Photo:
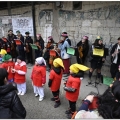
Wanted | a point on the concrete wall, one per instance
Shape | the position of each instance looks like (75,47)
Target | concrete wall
(95,18)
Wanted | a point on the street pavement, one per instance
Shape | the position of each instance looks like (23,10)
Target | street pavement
(45,109)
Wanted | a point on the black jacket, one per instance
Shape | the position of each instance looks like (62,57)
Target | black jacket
(21,47)
(29,41)
(10,104)
(85,49)
(95,57)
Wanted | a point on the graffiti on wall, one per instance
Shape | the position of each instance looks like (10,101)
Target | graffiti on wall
(109,12)
(45,19)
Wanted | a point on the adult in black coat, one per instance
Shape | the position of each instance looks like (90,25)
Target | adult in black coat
(10,104)
(40,44)
(21,48)
(83,48)
(82,51)
(29,54)
(115,59)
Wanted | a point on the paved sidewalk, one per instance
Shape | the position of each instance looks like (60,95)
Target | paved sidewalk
(45,109)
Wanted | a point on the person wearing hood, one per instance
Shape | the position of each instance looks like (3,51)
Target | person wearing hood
(8,64)
(55,80)
(72,88)
(38,77)
(11,106)
(20,70)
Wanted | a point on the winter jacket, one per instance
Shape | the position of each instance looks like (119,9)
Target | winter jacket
(10,104)
(9,66)
(19,77)
(28,41)
(21,47)
(55,78)
(84,51)
(95,57)
(38,75)
(73,82)
(63,47)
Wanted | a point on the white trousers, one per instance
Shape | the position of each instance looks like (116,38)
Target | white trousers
(21,87)
(39,90)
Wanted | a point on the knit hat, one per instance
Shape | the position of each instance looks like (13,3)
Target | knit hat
(99,38)
(27,33)
(6,57)
(87,114)
(20,58)
(85,37)
(38,35)
(50,37)
(17,31)
(64,34)
(3,52)
(75,68)
(40,60)
(58,62)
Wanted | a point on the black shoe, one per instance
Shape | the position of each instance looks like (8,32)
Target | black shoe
(57,105)
(67,112)
(69,116)
(52,99)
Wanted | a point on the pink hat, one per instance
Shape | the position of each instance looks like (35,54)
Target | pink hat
(64,35)
(85,37)
(50,37)
(38,35)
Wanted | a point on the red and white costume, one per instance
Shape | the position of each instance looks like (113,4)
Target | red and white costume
(19,77)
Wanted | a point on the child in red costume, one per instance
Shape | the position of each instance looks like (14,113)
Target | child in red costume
(55,80)
(38,77)
(72,87)
(8,64)
(20,70)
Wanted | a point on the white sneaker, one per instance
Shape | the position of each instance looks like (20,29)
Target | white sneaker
(22,93)
(36,95)
(40,99)
(19,93)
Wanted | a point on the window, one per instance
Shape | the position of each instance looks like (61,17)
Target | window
(77,5)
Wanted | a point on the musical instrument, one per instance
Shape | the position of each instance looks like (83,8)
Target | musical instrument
(27,48)
(80,49)
(61,41)
(38,45)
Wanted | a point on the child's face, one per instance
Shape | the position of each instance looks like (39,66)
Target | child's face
(71,72)
(10,59)
(36,63)
(19,61)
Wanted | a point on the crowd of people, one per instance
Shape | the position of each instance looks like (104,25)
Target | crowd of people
(56,60)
